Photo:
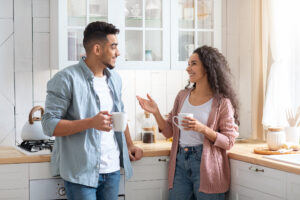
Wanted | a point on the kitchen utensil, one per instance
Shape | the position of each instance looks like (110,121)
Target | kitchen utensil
(32,130)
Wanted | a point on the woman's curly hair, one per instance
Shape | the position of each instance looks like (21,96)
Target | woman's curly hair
(218,75)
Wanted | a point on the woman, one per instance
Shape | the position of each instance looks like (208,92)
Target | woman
(199,166)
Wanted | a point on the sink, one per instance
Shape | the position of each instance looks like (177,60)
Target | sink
(287,158)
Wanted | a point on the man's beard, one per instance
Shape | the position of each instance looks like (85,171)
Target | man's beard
(108,65)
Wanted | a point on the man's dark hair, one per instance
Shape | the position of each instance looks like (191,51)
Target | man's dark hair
(97,31)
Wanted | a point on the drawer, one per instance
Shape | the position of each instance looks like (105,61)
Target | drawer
(158,166)
(263,179)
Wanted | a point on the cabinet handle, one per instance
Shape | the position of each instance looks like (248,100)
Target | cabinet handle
(256,169)
(162,160)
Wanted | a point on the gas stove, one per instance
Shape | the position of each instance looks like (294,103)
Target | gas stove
(36,146)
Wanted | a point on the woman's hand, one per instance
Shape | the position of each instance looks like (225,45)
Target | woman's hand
(148,105)
(191,124)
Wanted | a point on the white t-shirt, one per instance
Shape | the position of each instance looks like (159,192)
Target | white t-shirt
(110,153)
(201,113)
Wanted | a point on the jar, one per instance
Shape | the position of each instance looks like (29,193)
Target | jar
(275,138)
(148,131)
(148,135)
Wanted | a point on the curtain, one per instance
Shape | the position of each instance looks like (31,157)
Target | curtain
(280,59)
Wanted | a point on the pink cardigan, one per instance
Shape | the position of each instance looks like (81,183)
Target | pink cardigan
(214,167)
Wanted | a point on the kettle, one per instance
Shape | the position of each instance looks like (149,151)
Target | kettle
(32,130)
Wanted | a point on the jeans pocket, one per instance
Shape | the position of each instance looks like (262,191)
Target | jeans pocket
(198,154)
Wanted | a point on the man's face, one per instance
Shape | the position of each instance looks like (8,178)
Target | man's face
(110,51)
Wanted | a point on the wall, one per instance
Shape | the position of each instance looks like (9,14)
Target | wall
(24,66)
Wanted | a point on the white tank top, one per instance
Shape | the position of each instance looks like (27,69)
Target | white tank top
(201,113)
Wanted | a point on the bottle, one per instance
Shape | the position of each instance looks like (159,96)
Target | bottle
(147,129)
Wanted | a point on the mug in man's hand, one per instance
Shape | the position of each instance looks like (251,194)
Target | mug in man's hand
(180,117)
(119,121)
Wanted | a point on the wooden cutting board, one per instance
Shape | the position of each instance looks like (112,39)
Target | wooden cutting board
(266,151)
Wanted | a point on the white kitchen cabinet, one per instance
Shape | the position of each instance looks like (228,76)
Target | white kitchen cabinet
(249,181)
(154,34)
(14,181)
(238,192)
(293,187)
(149,180)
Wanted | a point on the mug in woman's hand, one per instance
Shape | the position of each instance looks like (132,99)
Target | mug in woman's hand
(180,117)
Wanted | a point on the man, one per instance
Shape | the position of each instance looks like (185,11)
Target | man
(87,153)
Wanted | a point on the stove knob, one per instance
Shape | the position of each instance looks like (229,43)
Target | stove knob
(62,191)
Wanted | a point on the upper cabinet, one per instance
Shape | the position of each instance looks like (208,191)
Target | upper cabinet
(154,34)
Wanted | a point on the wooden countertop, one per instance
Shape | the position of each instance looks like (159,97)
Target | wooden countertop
(242,151)
(10,155)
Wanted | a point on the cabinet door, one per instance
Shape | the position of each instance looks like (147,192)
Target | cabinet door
(293,186)
(144,39)
(144,31)
(238,192)
(14,182)
(194,23)
(258,178)
(146,190)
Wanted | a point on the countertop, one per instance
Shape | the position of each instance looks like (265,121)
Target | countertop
(10,155)
(242,151)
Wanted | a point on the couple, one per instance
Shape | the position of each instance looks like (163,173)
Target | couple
(88,154)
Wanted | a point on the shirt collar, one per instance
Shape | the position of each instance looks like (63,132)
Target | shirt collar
(88,73)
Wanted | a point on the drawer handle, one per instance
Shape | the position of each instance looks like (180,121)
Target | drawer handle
(162,160)
(256,169)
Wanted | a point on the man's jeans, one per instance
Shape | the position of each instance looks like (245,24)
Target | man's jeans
(187,176)
(108,188)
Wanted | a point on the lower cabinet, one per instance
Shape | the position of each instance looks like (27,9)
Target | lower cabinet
(14,181)
(150,179)
(251,182)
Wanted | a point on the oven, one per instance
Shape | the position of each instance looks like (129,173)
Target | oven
(53,188)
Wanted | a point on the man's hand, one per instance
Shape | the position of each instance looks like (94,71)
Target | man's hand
(135,153)
(102,121)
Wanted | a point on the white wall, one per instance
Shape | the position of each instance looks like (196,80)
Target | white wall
(24,66)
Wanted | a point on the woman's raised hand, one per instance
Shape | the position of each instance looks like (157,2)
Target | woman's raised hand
(148,105)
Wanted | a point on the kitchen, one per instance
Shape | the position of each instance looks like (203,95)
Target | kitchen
(27,54)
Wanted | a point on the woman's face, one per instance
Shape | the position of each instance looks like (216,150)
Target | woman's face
(195,69)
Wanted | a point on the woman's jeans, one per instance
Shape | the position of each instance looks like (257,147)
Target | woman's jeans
(108,188)
(187,176)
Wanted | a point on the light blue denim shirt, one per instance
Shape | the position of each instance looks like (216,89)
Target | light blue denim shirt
(71,96)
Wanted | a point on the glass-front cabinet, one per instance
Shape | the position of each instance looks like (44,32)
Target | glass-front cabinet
(154,34)
(194,23)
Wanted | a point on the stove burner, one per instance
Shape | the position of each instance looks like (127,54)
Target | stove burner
(36,145)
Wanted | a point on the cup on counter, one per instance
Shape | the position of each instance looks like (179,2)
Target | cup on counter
(292,135)
(119,121)
(180,117)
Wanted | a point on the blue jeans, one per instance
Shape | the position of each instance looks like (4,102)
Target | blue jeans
(187,176)
(108,188)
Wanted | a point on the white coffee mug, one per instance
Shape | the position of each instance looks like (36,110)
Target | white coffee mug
(292,135)
(180,117)
(119,121)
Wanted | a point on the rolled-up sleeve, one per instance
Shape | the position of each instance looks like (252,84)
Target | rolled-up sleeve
(228,130)
(57,102)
